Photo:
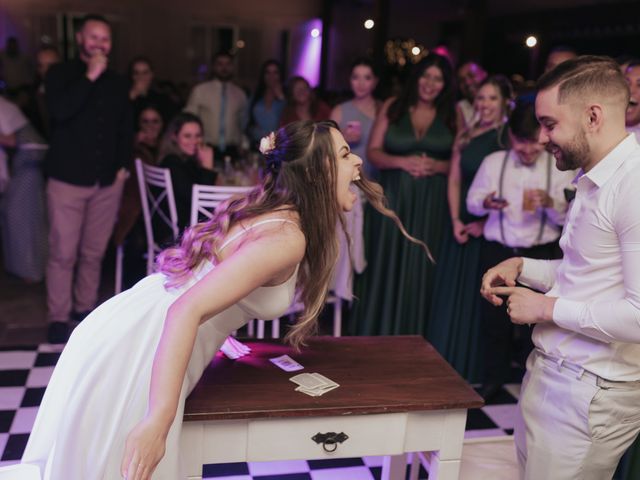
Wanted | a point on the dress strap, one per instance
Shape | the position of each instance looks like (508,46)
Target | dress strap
(245,230)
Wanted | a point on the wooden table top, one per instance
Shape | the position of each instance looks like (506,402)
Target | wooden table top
(376,375)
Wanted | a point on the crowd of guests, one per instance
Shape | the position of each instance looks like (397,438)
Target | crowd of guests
(456,152)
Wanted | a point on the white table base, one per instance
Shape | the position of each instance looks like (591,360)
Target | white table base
(439,432)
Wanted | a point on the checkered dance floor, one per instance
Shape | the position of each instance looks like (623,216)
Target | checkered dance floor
(25,372)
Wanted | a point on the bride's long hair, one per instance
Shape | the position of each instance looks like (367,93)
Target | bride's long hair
(301,176)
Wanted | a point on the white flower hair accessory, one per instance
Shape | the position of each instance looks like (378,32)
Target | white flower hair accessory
(267,143)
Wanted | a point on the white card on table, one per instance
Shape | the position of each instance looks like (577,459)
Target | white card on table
(286,363)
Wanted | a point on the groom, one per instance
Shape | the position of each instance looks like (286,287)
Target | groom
(580,403)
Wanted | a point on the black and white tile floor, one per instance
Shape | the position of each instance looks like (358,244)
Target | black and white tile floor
(25,372)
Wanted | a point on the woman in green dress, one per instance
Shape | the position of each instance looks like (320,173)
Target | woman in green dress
(410,143)
(454,329)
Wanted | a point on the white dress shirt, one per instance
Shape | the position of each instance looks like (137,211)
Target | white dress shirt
(596,319)
(521,228)
(205,102)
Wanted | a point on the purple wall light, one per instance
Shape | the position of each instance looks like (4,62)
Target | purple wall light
(305,51)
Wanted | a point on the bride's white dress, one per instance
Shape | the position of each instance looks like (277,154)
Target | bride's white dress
(100,387)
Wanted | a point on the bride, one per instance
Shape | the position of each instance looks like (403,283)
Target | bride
(114,405)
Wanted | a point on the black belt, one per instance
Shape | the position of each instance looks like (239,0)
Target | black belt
(523,251)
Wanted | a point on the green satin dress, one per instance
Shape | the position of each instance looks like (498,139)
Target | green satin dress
(394,292)
(454,329)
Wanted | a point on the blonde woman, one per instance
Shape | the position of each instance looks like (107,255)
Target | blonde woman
(114,404)
(455,331)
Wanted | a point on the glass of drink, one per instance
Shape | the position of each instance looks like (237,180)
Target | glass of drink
(528,196)
(533,197)
(354,131)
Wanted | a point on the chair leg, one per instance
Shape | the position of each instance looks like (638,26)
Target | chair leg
(275,328)
(337,318)
(119,260)
(251,328)
(260,329)
(150,255)
(414,461)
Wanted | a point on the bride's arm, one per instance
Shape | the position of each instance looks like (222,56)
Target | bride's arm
(255,263)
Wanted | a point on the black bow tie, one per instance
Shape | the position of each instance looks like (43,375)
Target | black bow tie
(569,194)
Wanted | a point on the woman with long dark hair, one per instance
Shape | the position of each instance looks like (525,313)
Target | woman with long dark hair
(114,404)
(355,117)
(411,145)
(189,159)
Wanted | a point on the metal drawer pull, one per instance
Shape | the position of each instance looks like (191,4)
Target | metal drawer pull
(330,440)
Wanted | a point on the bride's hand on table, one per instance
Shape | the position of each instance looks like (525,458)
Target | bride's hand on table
(233,349)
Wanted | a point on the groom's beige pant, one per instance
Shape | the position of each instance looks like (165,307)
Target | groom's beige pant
(572,424)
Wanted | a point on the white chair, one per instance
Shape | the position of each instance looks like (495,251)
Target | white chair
(119,261)
(20,472)
(158,201)
(337,314)
(205,199)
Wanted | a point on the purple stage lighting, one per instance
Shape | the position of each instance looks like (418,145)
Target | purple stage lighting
(306,45)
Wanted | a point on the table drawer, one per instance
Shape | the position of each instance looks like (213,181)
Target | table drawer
(291,439)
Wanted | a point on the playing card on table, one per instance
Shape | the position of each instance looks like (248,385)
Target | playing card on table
(313,384)
(286,363)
